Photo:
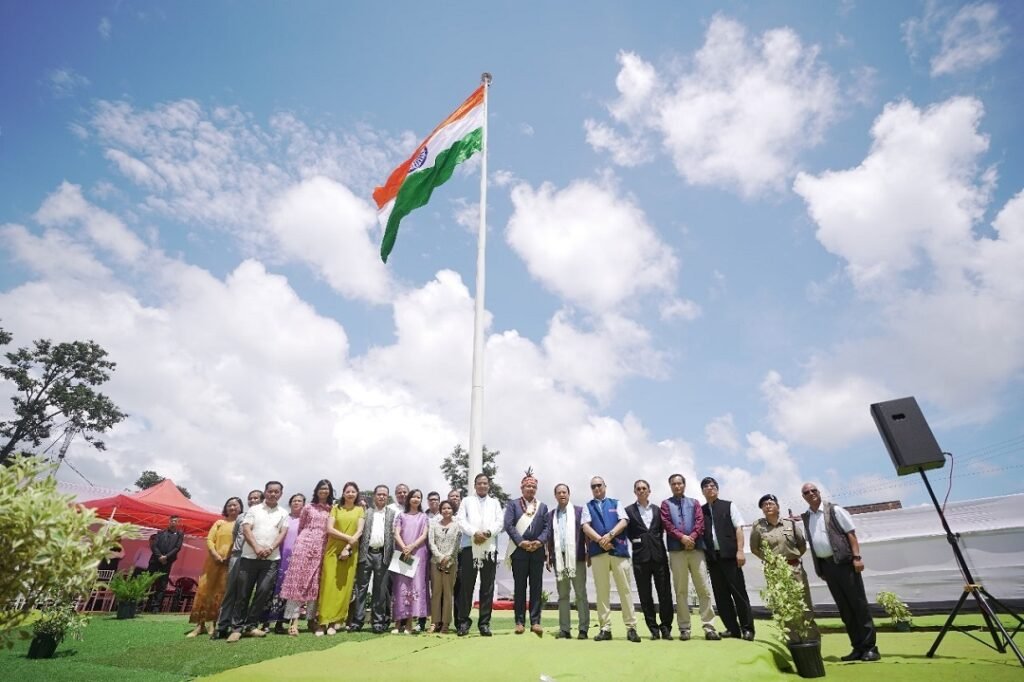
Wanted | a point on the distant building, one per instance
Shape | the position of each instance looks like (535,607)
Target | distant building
(873,507)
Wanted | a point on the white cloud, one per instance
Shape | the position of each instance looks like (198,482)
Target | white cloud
(826,411)
(320,222)
(588,244)
(773,470)
(972,38)
(949,304)
(721,433)
(737,118)
(66,207)
(467,214)
(65,81)
(53,254)
(104,28)
(964,41)
(526,129)
(680,309)
(916,194)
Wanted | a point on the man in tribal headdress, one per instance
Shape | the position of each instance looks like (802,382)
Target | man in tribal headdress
(526,522)
(480,521)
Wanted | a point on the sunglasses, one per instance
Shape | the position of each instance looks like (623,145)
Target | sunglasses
(595,486)
(809,491)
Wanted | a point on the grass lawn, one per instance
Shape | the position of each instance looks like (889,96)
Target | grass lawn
(154,648)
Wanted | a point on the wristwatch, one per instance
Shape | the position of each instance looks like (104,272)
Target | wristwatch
(856,557)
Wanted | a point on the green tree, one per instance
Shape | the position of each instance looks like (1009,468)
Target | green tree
(148,479)
(50,547)
(455,468)
(55,388)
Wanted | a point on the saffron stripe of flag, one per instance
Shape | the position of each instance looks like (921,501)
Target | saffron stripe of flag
(410,185)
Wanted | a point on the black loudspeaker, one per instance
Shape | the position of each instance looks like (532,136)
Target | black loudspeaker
(907,436)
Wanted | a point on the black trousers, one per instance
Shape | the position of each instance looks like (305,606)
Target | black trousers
(457,589)
(847,588)
(371,566)
(227,604)
(657,572)
(730,593)
(258,573)
(467,577)
(527,567)
(160,585)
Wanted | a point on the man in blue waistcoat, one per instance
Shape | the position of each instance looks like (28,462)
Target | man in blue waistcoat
(683,520)
(604,522)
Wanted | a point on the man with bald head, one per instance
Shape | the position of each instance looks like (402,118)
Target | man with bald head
(835,551)
(604,523)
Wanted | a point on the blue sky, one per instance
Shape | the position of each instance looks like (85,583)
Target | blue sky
(717,233)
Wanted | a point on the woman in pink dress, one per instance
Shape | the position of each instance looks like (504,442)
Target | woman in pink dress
(411,594)
(301,584)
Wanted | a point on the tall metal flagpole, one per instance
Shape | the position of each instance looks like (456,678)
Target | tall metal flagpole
(476,412)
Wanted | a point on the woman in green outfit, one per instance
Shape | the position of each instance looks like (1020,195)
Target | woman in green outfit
(341,559)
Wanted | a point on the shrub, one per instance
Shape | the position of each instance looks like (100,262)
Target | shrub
(894,607)
(60,620)
(783,594)
(132,589)
(49,548)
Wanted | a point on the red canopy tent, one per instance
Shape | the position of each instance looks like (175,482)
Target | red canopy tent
(153,508)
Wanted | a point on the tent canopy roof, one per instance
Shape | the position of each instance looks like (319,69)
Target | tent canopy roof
(153,508)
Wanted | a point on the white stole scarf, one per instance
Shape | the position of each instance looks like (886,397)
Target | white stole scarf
(524,522)
(481,513)
(565,564)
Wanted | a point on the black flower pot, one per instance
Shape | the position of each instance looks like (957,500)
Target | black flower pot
(126,609)
(902,626)
(807,658)
(42,646)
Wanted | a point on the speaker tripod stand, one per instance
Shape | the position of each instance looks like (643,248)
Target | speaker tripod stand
(1001,639)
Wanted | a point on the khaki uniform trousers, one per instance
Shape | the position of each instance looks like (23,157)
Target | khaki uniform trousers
(606,568)
(687,563)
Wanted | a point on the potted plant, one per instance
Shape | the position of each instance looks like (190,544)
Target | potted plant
(57,621)
(896,609)
(783,594)
(129,591)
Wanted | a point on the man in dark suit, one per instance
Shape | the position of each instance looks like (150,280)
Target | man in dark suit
(723,546)
(375,549)
(526,522)
(165,546)
(650,560)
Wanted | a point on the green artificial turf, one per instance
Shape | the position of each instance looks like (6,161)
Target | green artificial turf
(154,648)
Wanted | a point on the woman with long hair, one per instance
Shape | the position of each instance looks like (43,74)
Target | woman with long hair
(213,581)
(301,585)
(341,560)
(411,594)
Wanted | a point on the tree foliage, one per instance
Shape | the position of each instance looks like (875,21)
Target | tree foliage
(455,468)
(148,479)
(49,548)
(783,595)
(55,388)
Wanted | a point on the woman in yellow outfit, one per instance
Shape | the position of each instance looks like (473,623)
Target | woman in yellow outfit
(341,560)
(215,572)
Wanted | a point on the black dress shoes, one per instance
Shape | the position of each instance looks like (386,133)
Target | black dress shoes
(563,634)
(666,632)
(684,636)
(462,631)
(485,631)
(582,634)
(655,634)
(632,636)
(854,655)
(603,636)
(748,635)
(712,636)
(871,655)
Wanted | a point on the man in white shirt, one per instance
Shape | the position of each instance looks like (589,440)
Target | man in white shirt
(836,554)
(434,505)
(480,520)
(375,548)
(264,527)
(401,492)
(723,547)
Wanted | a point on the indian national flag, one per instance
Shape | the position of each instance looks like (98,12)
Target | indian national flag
(410,185)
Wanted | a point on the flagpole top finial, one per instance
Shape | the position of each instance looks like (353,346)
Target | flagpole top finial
(485,78)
